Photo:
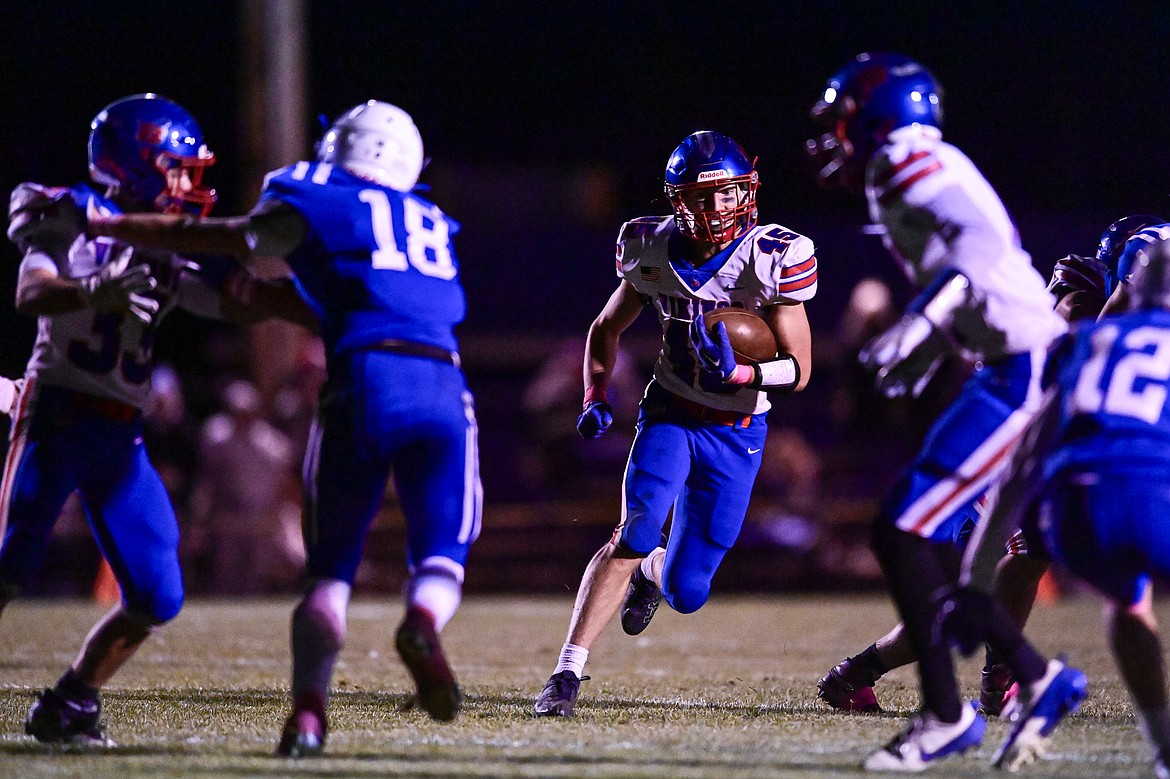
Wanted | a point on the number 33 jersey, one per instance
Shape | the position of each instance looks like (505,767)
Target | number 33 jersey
(376,264)
(103,354)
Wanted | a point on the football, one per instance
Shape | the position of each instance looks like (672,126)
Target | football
(751,338)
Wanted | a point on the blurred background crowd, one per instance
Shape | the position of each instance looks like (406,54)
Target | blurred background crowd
(547,127)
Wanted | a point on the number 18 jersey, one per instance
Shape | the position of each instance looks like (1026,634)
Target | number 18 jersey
(376,264)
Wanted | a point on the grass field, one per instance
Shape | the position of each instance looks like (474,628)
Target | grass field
(726,692)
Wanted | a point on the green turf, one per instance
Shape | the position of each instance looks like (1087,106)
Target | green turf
(726,692)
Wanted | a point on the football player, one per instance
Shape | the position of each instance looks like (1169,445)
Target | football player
(950,233)
(702,421)
(78,421)
(374,260)
(1081,287)
(1097,458)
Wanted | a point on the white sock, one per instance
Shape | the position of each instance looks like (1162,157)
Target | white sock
(650,561)
(1155,726)
(437,586)
(573,659)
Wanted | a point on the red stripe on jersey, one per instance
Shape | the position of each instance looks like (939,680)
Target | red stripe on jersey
(909,181)
(901,166)
(963,483)
(796,286)
(792,270)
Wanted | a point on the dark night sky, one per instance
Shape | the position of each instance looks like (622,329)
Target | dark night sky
(1061,104)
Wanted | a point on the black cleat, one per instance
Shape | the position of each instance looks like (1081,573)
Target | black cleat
(57,720)
(846,688)
(642,600)
(559,696)
(418,646)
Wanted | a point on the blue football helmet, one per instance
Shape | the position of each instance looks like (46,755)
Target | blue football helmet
(873,95)
(1113,240)
(704,163)
(150,151)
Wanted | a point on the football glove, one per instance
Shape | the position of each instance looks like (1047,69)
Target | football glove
(905,357)
(715,352)
(120,288)
(595,419)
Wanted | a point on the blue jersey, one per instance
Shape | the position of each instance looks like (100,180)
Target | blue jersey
(376,264)
(1114,376)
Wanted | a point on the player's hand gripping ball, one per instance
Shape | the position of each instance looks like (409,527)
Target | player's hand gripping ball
(727,337)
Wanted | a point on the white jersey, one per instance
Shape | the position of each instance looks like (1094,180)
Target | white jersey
(107,355)
(768,265)
(940,213)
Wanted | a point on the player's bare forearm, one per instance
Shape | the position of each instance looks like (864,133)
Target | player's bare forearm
(789,323)
(248,300)
(601,345)
(180,233)
(42,294)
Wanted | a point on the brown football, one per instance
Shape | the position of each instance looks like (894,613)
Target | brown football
(751,338)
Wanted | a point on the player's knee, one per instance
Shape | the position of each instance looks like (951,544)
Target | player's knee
(686,596)
(623,550)
(158,608)
(886,540)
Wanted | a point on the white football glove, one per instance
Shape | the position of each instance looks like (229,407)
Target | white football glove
(120,288)
(905,357)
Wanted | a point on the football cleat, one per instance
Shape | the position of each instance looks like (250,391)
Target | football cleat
(1036,712)
(994,689)
(418,646)
(559,696)
(58,720)
(303,734)
(847,688)
(642,599)
(926,740)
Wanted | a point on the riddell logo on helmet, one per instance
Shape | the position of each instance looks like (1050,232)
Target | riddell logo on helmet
(712,174)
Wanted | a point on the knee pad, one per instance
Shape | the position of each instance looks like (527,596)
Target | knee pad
(687,596)
(160,608)
(623,551)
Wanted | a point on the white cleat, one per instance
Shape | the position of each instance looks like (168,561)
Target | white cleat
(927,739)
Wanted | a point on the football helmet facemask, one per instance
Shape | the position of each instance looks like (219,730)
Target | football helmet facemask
(151,152)
(704,163)
(376,141)
(870,97)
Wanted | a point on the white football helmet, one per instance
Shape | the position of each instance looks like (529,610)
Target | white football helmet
(376,141)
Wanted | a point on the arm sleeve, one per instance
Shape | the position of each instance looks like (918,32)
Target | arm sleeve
(275,229)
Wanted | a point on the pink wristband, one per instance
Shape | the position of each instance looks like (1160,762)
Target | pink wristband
(593,393)
(743,374)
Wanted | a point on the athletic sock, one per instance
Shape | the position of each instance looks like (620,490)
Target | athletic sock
(573,659)
(869,662)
